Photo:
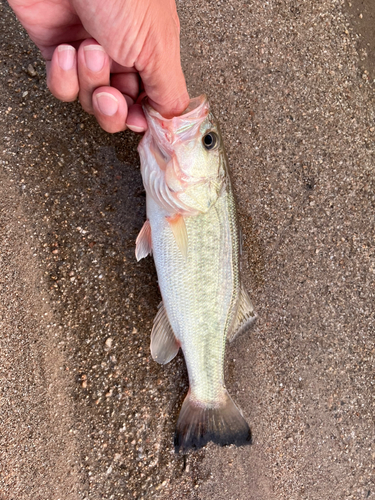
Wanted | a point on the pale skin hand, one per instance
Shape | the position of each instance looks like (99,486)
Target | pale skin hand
(104,52)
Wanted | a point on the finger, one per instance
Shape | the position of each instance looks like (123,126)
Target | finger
(167,91)
(160,68)
(62,76)
(93,71)
(136,120)
(126,83)
(140,98)
(110,109)
(119,68)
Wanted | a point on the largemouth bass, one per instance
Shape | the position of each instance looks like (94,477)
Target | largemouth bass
(192,232)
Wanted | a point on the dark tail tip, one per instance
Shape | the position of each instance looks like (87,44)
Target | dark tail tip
(198,424)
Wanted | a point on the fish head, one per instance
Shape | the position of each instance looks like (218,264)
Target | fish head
(186,156)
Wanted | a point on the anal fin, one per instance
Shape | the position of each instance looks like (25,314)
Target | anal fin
(245,316)
(143,243)
(179,231)
(164,345)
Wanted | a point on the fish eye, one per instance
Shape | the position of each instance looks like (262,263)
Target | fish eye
(210,140)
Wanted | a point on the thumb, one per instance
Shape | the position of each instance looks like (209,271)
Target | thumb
(159,66)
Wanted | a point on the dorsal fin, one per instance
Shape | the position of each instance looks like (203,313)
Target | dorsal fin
(179,231)
(164,345)
(143,243)
(245,315)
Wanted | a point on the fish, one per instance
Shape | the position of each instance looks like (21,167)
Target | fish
(193,234)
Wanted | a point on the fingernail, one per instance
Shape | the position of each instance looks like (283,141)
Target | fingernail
(94,57)
(66,57)
(134,128)
(107,103)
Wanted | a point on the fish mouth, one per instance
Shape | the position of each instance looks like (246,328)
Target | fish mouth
(197,108)
(194,104)
(168,132)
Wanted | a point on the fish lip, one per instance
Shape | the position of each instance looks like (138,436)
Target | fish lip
(193,110)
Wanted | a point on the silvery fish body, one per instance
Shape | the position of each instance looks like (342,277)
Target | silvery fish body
(192,232)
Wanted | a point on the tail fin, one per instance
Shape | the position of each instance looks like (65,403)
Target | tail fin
(198,424)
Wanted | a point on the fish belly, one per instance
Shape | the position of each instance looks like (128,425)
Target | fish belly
(200,292)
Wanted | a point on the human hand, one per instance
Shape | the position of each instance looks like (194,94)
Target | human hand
(110,54)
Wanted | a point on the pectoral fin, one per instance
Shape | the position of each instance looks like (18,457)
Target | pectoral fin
(179,231)
(164,345)
(143,243)
(245,315)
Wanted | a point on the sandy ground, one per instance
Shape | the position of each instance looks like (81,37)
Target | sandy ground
(85,412)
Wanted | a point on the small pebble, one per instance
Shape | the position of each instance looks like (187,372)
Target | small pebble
(31,71)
